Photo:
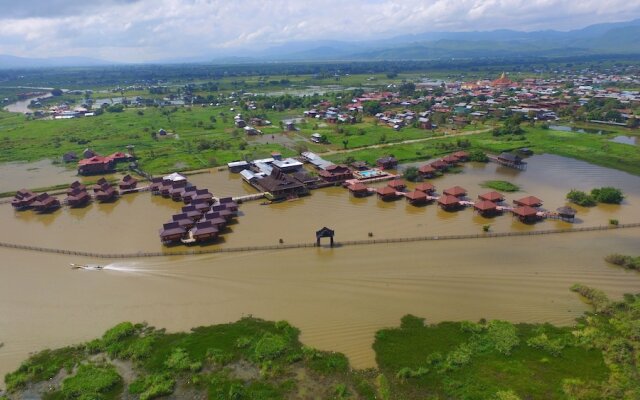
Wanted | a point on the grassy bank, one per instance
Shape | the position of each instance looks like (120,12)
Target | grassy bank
(256,359)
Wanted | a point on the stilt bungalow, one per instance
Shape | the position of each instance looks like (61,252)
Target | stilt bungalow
(76,186)
(427,171)
(387,193)
(389,162)
(176,190)
(78,198)
(23,199)
(201,205)
(192,212)
(229,203)
(189,194)
(100,185)
(455,191)
(216,219)
(183,220)
(204,231)
(416,197)
(358,190)
(203,194)
(526,214)
(449,202)
(106,193)
(172,232)
(397,184)
(359,165)
(529,201)
(486,208)
(566,213)
(493,196)
(439,165)
(280,185)
(426,187)
(225,213)
(335,173)
(45,203)
(128,182)
(451,160)
(462,156)
(156,183)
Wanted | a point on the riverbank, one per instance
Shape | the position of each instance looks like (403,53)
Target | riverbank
(253,358)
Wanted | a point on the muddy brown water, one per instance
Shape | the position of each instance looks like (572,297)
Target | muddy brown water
(337,297)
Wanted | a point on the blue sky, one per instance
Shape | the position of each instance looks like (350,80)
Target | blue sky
(147,30)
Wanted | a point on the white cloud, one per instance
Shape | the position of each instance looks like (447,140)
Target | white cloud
(143,30)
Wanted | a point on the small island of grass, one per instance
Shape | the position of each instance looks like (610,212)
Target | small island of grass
(502,186)
(256,359)
(621,260)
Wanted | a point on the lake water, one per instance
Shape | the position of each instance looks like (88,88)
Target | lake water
(22,106)
(44,173)
(338,297)
(565,128)
(630,140)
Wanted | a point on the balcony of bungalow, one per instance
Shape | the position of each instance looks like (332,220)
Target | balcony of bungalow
(455,191)
(45,203)
(493,196)
(526,214)
(387,193)
(416,197)
(397,184)
(192,212)
(486,208)
(427,171)
(426,187)
(229,203)
(529,201)
(204,231)
(78,198)
(358,190)
(183,220)
(215,218)
(172,232)
(449,203)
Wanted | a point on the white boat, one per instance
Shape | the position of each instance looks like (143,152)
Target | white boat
(91,267)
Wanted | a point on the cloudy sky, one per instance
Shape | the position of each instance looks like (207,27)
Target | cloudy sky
(147,30)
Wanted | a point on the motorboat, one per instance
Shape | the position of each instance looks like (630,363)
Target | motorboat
(90,267)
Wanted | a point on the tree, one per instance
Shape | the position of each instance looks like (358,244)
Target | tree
(56,92)
(411,174)
(371,107)
(345,143)
(609,195)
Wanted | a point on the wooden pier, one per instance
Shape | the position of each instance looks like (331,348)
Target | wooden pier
(249,197)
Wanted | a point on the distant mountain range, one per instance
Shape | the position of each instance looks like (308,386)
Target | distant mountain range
(601,39)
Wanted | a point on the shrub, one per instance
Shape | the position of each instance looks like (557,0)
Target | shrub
(503,336)
(542,342)
(581,198)
(609,195)
(118,332)
(270,346)
(613,222)
(502,186)
(411,174)
(458,357)
(597,298)
(478,156)
(506,395)
(624,261)
(152,386)
(90,382)
(179,361)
